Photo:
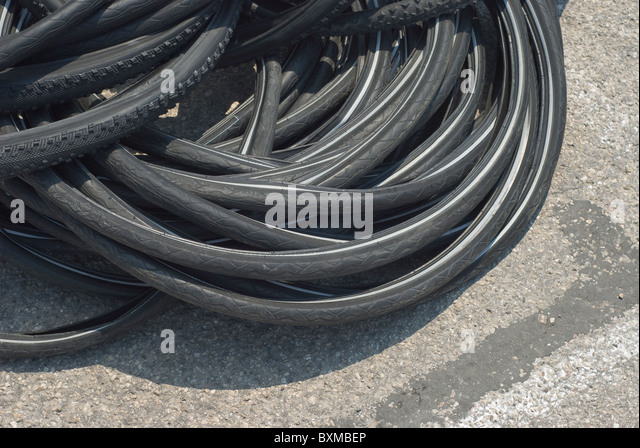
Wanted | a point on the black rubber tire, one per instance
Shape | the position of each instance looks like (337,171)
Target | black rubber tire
(458,176)
(81,134)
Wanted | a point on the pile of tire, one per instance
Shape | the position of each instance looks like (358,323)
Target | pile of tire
(443,118)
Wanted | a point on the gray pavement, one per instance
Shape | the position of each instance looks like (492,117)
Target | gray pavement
(547,338)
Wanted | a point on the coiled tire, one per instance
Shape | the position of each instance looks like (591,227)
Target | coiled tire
(456,176)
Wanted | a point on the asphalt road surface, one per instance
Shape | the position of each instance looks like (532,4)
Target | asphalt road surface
(549,337)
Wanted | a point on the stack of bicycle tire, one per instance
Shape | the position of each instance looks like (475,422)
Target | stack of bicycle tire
(443,118)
